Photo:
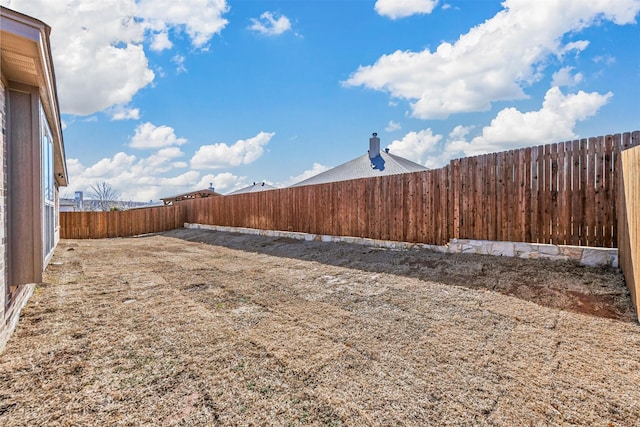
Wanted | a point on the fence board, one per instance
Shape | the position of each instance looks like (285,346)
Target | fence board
(599,191)
(608,208)
(562,208)
(512,196)
(518,196)
(576,207)
(491,197)
(526,210)
(428,228)
(475,167)
(590,217)
(454,169)
(534,226)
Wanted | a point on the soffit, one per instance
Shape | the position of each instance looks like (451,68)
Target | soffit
(20,59)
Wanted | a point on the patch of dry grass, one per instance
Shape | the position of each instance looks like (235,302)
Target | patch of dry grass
(244,330)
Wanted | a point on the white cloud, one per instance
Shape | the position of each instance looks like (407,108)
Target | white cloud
(148,135)
(604,59)
(576,46)
(161,42)
(512,129)
(221,155)
(395,9)
(121,112)
(147,178)
(200,19)
(415,146)
(179,60)
(270,24)
(315,170)
(92,39)
(392,126)
(460,132)
(563,77)
(222,182)
(493,61)
(107,166)
(74,167)
(169,153)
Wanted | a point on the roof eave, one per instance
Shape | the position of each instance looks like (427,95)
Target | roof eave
(37,33)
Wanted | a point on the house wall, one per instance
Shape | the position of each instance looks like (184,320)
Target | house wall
(25,214)
(22,226)
(29,115)
(3,205)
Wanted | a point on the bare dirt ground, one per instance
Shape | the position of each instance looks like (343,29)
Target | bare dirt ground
(206,328)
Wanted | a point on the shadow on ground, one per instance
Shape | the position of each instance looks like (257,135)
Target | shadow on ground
(567,285)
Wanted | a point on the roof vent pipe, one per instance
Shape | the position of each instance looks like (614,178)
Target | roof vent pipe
(374,146)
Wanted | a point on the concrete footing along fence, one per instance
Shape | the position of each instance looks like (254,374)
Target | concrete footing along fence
(581,254)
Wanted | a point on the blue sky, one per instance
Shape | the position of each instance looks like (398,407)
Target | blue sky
(161,97)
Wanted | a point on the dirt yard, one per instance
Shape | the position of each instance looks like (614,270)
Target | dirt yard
(208,328)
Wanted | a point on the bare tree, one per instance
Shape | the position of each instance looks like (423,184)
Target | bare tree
(105,195)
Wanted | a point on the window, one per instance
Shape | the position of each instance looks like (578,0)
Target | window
(48,188)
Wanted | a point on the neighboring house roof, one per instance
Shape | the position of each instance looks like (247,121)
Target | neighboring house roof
(376,163)
(253,188)
(198,194)
(67,205)
(25,57)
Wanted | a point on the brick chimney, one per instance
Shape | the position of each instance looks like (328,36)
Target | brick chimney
(374,146)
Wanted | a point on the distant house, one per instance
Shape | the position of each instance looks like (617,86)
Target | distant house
(253,188)
(198,194)
(88,205)
(32,159)
(68,205)
(374,163)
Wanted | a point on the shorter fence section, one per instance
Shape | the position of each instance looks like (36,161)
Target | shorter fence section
(100,225)
(629,221)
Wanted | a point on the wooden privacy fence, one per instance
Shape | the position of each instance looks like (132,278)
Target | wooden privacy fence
(99,225)
(629,221)
(562,193)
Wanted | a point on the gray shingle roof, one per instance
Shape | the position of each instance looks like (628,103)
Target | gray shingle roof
(255,187)
(364,167)
(207,192)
